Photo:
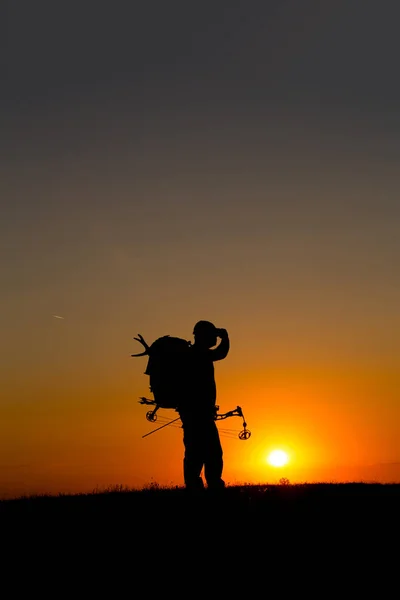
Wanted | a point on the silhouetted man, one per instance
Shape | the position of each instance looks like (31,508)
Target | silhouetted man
(200,433)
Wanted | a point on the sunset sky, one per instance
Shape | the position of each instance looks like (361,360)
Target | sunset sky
(165,162)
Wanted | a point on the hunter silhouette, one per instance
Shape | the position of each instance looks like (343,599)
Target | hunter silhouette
(202,445)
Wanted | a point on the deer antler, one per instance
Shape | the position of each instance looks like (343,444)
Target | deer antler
(144,344)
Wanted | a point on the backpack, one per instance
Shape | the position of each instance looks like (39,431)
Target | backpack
(167,368)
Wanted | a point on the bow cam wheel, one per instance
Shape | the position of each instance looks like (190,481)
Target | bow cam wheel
(151,416)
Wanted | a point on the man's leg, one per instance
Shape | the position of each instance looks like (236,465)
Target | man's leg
(193,457)
(213,462)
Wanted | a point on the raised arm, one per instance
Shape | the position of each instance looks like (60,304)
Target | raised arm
(222,349)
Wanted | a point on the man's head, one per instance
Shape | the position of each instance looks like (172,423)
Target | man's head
(205,334)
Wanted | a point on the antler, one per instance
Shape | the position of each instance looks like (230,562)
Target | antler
(144,344)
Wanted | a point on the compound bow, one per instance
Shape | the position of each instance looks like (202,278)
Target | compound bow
(151,416)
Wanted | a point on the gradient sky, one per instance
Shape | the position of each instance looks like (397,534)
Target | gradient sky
(165,162)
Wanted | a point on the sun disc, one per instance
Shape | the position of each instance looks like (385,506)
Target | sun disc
(278,458)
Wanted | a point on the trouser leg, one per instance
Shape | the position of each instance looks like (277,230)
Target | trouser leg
(213,458)
(193,458)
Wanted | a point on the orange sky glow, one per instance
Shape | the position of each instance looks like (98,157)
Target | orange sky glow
(230,165)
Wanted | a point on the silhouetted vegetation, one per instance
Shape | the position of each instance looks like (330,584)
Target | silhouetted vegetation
(167,530)
(266,504)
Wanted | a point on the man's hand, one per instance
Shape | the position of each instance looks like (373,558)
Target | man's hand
(222,333)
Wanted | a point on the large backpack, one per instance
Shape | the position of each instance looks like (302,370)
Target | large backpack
(167,368)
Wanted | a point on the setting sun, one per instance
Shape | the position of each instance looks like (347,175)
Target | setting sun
(277,458)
